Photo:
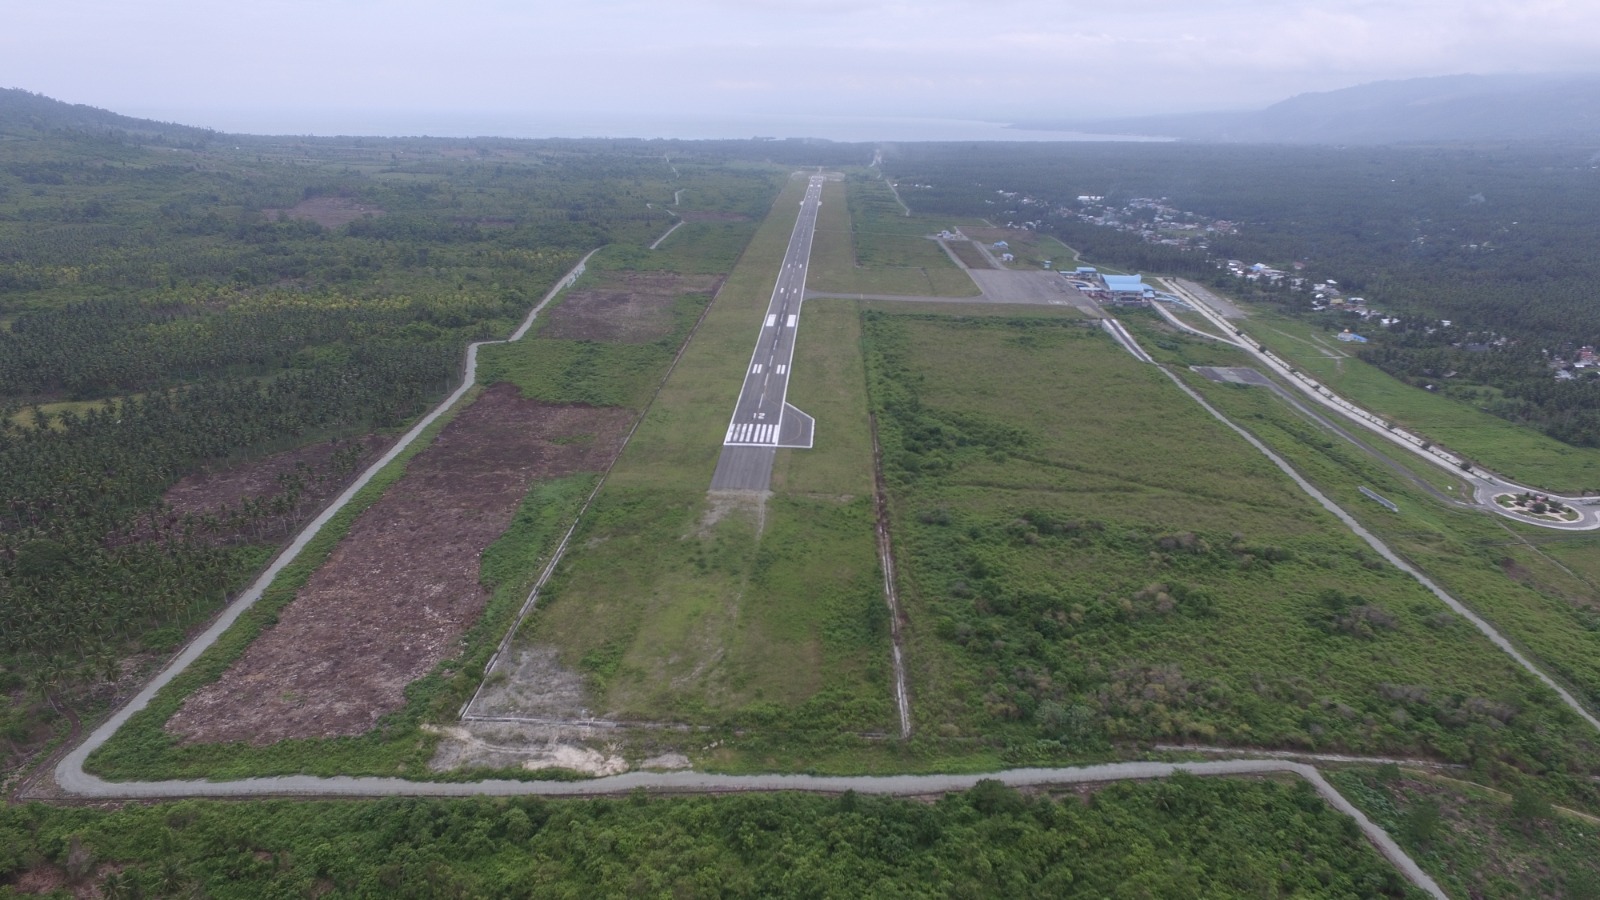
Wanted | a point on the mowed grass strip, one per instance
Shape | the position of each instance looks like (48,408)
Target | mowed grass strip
(1088,558)
(677,606)
(864,245)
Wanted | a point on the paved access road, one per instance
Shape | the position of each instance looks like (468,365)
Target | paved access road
(762,419)
(77,782)
(1485,485)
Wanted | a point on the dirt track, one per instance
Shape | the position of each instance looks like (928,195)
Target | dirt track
(402,587)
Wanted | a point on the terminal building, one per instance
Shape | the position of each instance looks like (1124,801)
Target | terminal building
(1129,289)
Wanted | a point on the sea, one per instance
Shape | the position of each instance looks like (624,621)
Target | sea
(394,123)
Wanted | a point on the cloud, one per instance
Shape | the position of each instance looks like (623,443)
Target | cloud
(942,57)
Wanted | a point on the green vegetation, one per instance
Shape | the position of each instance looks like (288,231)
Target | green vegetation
(865,245)
(142,749)
(1183,837)
(597,373)
(1503,570)
(168,312)
(1480,251)
(676,606)
(1088,559)
(556,370)
(1090,566)
(1512,450)
(1478,842)
(171,313)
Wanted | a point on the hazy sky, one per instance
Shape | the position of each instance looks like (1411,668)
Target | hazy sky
(272,63)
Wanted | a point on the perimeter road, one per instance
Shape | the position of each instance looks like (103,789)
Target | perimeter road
(69,771)
(1485,485)
(704,783)
(1488,631)
(762,420)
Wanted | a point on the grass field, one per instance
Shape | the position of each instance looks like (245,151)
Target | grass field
(1537,587)
(680,607)
(1507,572)
(1512,450)
(1087,557)
(865,245)
(1031,249)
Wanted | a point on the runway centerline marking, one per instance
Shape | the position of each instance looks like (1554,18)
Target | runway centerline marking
(758,414)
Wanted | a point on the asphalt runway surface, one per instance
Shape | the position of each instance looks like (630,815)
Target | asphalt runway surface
(762,419)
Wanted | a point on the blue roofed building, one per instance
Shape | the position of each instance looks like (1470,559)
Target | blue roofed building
(1128,288)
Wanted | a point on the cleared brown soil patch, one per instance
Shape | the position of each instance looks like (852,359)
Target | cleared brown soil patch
(630,307)
(329,212)
(322,470)
(398,592)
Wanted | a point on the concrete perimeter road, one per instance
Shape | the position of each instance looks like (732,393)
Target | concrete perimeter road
(1485,485)
(701,783)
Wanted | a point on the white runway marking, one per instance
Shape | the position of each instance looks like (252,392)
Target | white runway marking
(792,320)
(751,433)
(771,321)
(782,369)
(755,369)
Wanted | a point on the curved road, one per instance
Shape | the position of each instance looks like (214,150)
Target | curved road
(69,771)
(1485,484)
(1121,335)
(83,784)
(71,777)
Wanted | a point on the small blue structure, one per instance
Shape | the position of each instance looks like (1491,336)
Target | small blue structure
(1348,336)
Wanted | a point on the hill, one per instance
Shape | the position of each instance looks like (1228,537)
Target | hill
(1446,108)
(25,114)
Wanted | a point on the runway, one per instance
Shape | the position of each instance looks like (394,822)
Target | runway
(762,419)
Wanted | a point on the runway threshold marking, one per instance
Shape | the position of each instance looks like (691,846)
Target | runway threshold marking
(779,330)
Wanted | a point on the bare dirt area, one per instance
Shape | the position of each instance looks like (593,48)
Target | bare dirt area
(629,307)
(401,588)
(591,748)
(317,472)
(592,751)
(530,681)
(329,212)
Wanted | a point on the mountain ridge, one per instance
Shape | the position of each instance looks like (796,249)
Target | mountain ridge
(24,113)
(1414,110)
